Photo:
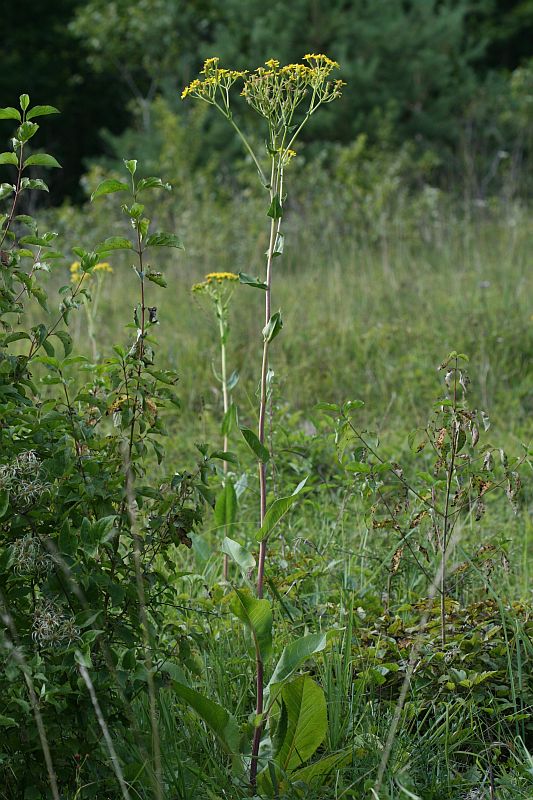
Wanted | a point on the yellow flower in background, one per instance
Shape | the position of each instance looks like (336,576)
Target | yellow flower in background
(215,279)
(103,266)
(76,272)
(221,276)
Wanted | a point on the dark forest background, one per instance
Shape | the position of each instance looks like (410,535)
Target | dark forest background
(445,76)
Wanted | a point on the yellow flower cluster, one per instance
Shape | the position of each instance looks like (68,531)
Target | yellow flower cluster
(221,276)
(76,271)
(214,279)
(215,78)
(276,92)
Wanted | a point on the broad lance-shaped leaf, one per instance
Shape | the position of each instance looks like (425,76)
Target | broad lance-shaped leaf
(109,186)
(9,158)
(277,511)
(152,183)
(114,243)
(255,445)
(273,327)
(163,240)
(293,655)
(42,160)
(256,615)
(242,557)
(41,111)
(315,774)
(230,420)
(222,723)
(303,723)
(249,280)
(10,113)
(226,506)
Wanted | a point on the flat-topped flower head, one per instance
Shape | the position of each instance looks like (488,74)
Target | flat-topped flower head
(215,280)
(219,277)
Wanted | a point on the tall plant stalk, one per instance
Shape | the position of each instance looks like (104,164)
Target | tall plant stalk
(285,97)
(275,227)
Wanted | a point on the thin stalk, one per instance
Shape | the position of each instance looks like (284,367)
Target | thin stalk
(16,195)
(445,531)
(275,188)
(225,402)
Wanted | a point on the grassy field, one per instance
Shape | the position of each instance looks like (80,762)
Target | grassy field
(372,321)
(418,668)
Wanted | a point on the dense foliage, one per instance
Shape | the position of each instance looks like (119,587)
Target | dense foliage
(213,585)
(430,72)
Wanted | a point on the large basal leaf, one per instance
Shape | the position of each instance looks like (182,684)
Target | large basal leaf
(277,511)
(293,655)
(314,775)
(256,615)
(226,506)
(242,557)
(222,723)
(303,723)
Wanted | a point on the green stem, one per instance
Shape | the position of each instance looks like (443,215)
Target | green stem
(275,188)
(225,402)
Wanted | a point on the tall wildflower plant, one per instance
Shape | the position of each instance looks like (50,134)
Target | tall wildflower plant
(286,97)
(218,288)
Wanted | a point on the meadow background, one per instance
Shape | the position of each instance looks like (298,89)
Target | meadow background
(408,235)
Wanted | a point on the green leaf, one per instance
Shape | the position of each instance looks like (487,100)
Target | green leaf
(164,240)
(109,186)
(328,408)
(294,654)
(114,243)
(222,723)
(66,341)
(248,280)
(9,158)
(7,722)
(157,278)
(224,455)
(10,113)
(152,183)
(24,101)
(315,774)
(275,210)
(26,131)
(256,615)
(42,160)
(242,557)
(34,183)
(303,723)
(230,420)
(274,326)
(255,445)
(277,511)
(5,190)
(4,502)
(226,506)
(131,165)
(41,111)
(279,245)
